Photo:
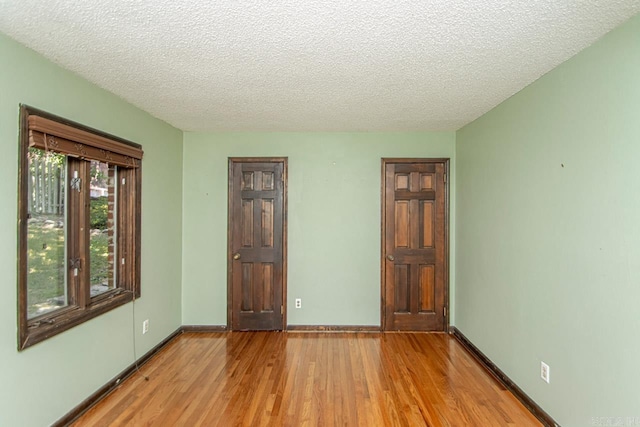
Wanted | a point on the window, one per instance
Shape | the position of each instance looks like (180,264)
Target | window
(79,224)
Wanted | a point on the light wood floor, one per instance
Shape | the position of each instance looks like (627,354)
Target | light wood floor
(297,379)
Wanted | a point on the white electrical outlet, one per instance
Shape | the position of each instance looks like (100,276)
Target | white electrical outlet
(545,372)
(298,302)
(145,326)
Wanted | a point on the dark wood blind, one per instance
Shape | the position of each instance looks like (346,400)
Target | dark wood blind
(48,134)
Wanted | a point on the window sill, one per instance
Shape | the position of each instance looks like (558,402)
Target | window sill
(41,328)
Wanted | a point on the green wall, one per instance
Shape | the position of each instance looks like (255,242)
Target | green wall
(334,219)
(548,226)
(44,382)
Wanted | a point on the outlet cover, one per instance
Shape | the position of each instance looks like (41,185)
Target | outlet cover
(545,372)
(145,326)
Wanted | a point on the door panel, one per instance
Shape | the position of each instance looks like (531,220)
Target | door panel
(414,245)
(257,200)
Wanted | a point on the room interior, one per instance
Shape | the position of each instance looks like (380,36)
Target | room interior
(543,263)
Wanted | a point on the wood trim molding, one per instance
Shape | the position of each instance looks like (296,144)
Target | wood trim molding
(204,328)
(332,328)
(103,391)
(496,372)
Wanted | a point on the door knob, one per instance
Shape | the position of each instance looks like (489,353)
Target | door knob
(391,257)
(236,256)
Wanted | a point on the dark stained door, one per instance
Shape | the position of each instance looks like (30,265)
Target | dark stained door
(414,258)
(257,203)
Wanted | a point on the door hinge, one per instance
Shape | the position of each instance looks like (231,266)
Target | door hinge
(281,309)
(445,178)
(444,310)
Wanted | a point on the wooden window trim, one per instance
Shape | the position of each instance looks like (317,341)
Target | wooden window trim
(49,132)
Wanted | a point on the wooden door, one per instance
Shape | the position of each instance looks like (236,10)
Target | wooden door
(414,245)
(257,243)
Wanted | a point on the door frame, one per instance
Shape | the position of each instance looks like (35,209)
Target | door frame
(383,241)
(230,249)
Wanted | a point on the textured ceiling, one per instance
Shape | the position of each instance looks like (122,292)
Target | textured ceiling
(335,65)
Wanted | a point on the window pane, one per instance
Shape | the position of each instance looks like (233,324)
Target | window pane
(46,232)
(102,217)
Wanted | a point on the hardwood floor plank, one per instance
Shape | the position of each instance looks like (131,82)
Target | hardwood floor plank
(311,379)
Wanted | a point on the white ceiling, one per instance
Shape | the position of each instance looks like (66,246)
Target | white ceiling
(298,65)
